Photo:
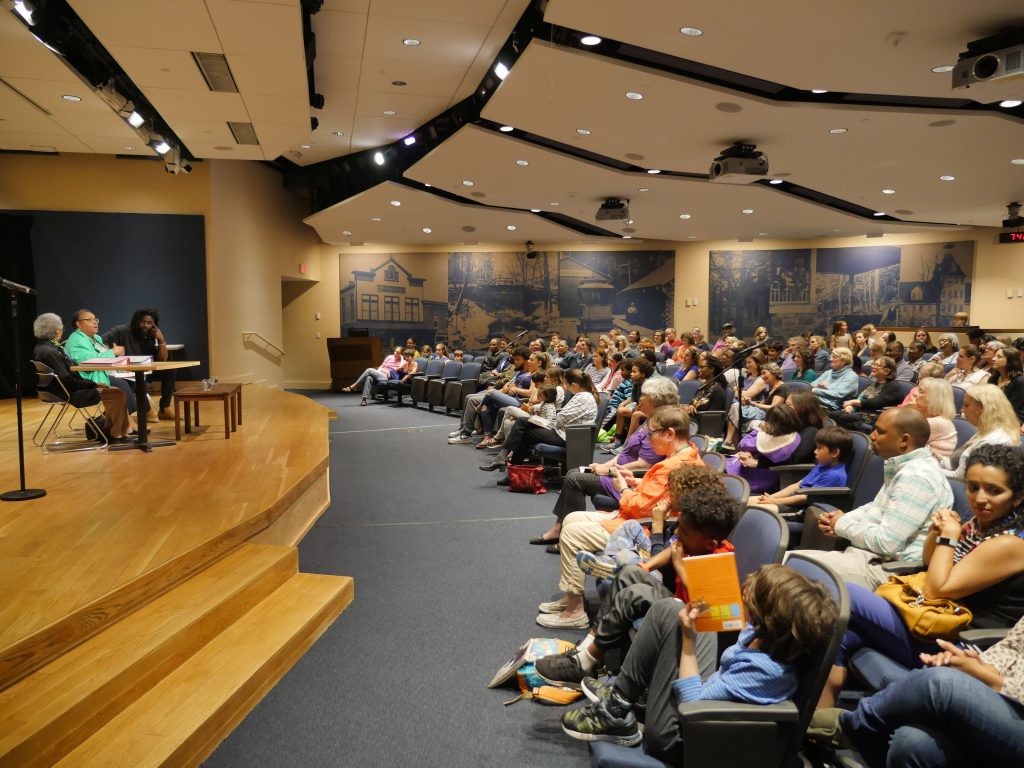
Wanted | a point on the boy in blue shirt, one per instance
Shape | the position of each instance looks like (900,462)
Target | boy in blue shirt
(833,446)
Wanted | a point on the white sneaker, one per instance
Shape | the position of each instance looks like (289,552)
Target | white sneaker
(460,440)
(555,606)
(456,433)
(551,621)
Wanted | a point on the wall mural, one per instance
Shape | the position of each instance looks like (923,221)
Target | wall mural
(791,291)
(500,294)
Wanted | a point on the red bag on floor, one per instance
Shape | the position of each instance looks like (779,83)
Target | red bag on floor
(526,478)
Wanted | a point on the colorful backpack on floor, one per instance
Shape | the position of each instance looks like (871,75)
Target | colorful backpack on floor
(531,685)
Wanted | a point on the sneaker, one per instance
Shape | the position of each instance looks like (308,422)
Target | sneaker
(459,440)
(554,606)
(553,621)
(592,722)
(596,690)
(825,728)
(598,566)
(615,451)
(456,433)
(561,669)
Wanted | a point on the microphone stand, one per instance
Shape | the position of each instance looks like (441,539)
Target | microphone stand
(738,359)
(23,493)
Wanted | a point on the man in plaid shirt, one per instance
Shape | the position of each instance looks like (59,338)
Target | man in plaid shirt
(895,524)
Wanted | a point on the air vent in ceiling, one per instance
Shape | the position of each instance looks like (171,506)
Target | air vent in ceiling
(216,71)
(244,133)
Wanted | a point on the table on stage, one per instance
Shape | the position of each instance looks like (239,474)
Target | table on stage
(142,442)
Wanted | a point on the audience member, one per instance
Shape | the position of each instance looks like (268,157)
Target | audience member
(883,392)
(925,338)
(933,399)
(947,354)
(1006,374)
(966,373)
(474,403)
(834,387)
(840,335)
(988,410)
(773,442)
(394,366)
(904,372)
(832,449)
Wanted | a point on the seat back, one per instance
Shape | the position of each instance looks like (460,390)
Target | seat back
(788,374)
(796,386)
(451,370)
(960,505)
(737,487)
(964,429)
(434,367)
(687,389)
(862,383)
(45,379)
(701,442)
(958,399)
(759,537)
(467,358)
(470,371)
(713,461)
(670,369)
(858,458)
(421,364)
(905,387)
(870,480)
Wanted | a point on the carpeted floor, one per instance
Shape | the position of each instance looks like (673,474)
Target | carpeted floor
(446,589)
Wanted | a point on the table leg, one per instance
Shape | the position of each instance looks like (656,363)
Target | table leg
(239,404)
(177,418)
(230,400)
(196,413)
(227,418)
(142,442)
(188,417)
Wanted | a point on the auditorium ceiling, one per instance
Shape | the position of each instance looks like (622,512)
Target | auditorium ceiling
(862,136)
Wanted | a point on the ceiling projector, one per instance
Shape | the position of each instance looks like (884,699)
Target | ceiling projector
(613,209)
(999,57)
(739,164)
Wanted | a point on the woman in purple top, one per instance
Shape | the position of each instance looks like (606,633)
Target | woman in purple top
(774,442)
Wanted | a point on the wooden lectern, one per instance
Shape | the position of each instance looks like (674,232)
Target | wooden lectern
(350,357)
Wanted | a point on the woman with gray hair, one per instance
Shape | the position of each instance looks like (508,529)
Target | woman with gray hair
(48,329)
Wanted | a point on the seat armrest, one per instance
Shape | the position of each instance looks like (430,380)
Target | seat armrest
(780,468)
(832,492)
(711,710)
(984,638)
(578,428)
(903,567)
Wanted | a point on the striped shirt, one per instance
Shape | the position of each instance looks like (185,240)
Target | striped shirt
(581,409)
(744,674)
(895,525)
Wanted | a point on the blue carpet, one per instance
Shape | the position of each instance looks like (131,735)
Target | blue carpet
(446,589)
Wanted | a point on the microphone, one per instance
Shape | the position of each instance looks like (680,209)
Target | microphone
(518,337)
(10,285)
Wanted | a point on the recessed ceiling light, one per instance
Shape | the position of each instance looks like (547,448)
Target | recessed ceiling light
(467,183)
(411,41)
(390,113)
(554,204)
(337,133)
(691,237)
(346,232)
(888,191)
(762,234)
(627,237)
(691,31)
(583,131)
(942,69)
(747,210)
(375,218)
(396,203)
(947,178)
(653,170)
(685,216)
(409,141)
(535,210)
(427,230)
(125,146)
(505,128)
(72,97)
(378,158)
(879,213)
(511,227)
(522,163)
(1018,161)
(305,146)
(590,39)
(837,130)
(643,189)
(775,181)
(427,185)
(501,70)
(1006,104)
(634,96)
(818,90)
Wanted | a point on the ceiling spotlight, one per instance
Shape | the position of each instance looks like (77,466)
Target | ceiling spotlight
(643,189)
(135,120)
(501,70)
(1017,161)
(71,97)
(305,146)
(685,216)
(25,9)
(522,163)
(511,227)
(888,191)
(129,148)
(879,213)
(346,232)
(337,133)
(947,178)
(427,185)
(375,218)
(747,210)
(506,128)
(389,113)
(691,31)
(535,210)
(411,41)
(634,96)
(590,39)
(396,203)
(427,230)
(162,147)
(942,69)
(378,158)
(775,181)
(1006,104)
(467,183)
(627,237)
(409,141)
(583,131)
(653,170)
(819,91)
(554,204)
(837,130)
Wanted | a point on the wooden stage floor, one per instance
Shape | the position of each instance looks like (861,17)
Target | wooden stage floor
(117,528)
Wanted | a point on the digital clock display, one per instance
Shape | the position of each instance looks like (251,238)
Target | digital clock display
(1011,237)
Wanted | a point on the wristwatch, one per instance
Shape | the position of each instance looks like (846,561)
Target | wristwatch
(944,541)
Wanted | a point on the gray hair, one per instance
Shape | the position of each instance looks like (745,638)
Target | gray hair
(662,390)
(45,326)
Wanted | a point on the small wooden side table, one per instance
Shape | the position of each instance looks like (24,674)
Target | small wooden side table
(229,394)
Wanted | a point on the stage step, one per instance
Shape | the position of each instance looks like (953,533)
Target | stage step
(181,719)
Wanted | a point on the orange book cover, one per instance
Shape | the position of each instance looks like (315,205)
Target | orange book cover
(714,582)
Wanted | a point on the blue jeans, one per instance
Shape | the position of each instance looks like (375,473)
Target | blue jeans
(365,381)
(492,403)
(937,717)
(875,623)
